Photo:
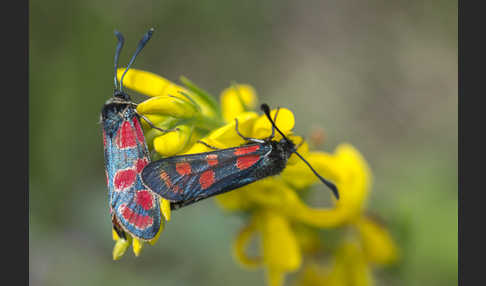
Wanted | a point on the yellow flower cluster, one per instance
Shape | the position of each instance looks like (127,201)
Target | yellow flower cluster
(287,227)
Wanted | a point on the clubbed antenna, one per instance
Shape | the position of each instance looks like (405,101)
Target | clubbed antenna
(140,46)
(119,47)
(330,185)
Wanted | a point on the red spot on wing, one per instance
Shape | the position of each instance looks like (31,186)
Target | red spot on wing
(166,179)
(206,179)
(246,162)
(138,130)
(140,164)
(183,168)
(212,159)
(135,219)
(144,199)
(174,188)
(124,179)
(107,178)
(246,150)
(125,137)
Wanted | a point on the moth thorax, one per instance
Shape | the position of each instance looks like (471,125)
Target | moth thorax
(121,95)
(285,148)
(277,159)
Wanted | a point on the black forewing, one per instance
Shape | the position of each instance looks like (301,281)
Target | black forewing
(163,178)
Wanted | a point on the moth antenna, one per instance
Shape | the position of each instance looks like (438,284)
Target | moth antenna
(119,47)
(264,107)
(330,185)
(140,46)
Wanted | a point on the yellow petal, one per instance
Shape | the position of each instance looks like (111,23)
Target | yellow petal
(275,276)
(174,142)
(154,85)
(148,83)
(354,178)
(165,208)
(198,148)
(137,246)
(350,267)
(312,275)
(285,122)
(240,245)
(119,249)
(377,242)
(300,175)
(281,252)
(280,248)
(269,193)
(114,235)
(275,195)
(226,136)
(167,105)
(165,124)
(154,118)
(348,170)
(235,200)
(236,100)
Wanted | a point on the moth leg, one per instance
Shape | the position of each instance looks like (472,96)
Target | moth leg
(273,127)
(155,127)
(244,137)
(207,145)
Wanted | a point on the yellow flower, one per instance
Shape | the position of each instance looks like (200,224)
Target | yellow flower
(237,99)
(226,135)
(153,85)
(120,247)
(277,236)
(345,167)
(168,106)
(348,268)
(287,227)
(280,248)
(354,259)
(173,143)
(312,274)
(378,244)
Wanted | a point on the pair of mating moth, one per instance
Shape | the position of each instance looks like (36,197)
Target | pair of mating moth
(135,183)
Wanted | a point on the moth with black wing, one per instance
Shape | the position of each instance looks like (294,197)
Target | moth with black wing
(186,179)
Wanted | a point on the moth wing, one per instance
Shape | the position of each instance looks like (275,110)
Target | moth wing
(136,209)
(198,176)
(125,149)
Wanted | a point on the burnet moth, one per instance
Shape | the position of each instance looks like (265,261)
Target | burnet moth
(186,179)
(133,207)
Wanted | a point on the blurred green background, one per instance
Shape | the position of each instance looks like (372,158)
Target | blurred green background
(381,75)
